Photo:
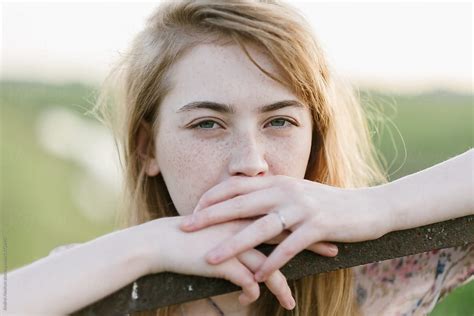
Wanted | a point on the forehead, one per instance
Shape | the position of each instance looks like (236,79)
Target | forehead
(224,73)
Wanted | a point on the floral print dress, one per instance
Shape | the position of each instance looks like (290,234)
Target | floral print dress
(414,284)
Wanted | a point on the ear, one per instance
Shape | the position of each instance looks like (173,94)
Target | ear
(145,149)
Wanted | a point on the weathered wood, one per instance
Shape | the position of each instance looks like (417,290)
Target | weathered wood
(169,288)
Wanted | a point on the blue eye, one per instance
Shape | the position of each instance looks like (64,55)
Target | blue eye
(281,122)
(209,124)
(204,124)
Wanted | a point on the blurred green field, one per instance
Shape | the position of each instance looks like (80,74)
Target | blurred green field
(39,214)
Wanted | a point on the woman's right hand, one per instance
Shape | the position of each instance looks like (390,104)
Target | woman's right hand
(173,250)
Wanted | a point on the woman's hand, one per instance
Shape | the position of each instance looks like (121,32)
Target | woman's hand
(183,253)
(312,212)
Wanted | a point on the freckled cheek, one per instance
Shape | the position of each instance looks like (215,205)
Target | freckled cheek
(191,167)
(198,158)
(289,157)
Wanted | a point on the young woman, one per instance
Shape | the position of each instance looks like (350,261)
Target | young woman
(228,109)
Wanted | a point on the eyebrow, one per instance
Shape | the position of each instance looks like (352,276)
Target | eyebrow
(229,109)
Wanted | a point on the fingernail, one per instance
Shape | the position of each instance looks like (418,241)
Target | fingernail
(292,303)
(333,248)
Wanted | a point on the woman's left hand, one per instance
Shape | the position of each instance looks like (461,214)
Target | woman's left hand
(307,212)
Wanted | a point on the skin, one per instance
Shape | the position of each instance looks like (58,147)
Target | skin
(330,213)
(315,211)
(200,163)
(241,144)
(244,144)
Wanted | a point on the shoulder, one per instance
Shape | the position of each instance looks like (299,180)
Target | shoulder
(62,248)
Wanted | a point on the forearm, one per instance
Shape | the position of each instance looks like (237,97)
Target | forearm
(65,282)
(436,194)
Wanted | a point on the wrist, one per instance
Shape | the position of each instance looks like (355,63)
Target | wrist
(382,207)
(151,239)
(143,247)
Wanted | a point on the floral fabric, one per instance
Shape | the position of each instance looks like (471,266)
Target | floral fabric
(414,284)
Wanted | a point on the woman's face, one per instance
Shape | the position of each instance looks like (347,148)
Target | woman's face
(218,122)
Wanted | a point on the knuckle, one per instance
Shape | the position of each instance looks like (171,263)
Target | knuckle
(264,225)
(265,221)
(204,216)
(317,221)
(320,228)
(204,200)
(295,188)
(247,282)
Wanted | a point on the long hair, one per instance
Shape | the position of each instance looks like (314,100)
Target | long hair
(342,151)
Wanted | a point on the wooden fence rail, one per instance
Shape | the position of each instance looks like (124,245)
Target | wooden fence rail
(164,289)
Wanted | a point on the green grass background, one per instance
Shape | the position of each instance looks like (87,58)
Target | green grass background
(38,213)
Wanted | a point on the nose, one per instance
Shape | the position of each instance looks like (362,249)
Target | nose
(247,157)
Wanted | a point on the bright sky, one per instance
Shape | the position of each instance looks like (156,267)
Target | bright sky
(393,46)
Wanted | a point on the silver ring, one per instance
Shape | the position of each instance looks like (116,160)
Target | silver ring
(282,220)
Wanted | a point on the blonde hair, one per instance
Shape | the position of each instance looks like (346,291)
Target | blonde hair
(342,152)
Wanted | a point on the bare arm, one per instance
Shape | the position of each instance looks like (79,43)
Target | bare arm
(65,282)
(307,212)
(435,194)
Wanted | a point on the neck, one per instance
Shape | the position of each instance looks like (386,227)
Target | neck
(228,303)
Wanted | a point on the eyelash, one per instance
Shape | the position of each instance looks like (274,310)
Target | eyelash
(195,126)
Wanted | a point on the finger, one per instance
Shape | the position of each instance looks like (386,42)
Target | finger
(278,239)
(243,206)
(276,282)
(293,244)
(326,249)
(253,235)
(232,187)
(323,248)
(240,275)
